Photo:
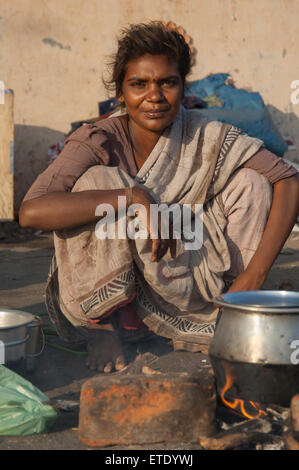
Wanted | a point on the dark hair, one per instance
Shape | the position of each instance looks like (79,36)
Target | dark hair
(153,38)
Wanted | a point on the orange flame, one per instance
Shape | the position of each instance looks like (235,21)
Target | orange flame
(238,405)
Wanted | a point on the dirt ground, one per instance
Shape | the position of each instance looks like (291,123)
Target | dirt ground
(24,260)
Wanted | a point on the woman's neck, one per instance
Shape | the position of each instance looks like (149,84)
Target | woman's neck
(142,140)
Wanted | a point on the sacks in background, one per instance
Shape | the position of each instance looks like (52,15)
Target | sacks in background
(241,108)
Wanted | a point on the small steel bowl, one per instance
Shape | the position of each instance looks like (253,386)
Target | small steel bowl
(13,334)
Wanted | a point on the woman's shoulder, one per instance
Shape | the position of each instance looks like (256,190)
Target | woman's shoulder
(197,121)
(99,131)
(200,116)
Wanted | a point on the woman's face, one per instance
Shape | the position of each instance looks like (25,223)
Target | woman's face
(152,91)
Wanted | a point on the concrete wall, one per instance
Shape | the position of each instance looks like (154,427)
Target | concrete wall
(53,53)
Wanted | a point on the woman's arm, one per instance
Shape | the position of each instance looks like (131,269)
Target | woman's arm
(63,210)
(282,217)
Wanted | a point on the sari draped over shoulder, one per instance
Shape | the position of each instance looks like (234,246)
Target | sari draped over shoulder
(190,165)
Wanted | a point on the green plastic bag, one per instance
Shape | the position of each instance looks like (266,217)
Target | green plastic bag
(22,408)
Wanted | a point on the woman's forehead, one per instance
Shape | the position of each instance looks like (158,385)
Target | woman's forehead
(151,66)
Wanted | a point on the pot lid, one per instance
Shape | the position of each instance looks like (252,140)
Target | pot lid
(14,318)
(266,301)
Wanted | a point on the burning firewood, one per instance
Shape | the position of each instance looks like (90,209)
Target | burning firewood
(292,437)
(295,416)
(231,440)
(246,432)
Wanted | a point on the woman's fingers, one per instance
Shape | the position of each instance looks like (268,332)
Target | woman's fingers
(161,245)
(155,249)
(153,226)
(160,248)
(163,248)
(172,242)
(173,248)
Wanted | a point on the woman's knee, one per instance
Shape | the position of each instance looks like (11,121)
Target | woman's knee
(247,202)
(261,190)
(247,189)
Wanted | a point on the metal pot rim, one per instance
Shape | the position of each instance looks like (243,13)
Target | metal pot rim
(232,301)
(23,318)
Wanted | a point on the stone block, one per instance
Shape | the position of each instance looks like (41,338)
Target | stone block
(137,409)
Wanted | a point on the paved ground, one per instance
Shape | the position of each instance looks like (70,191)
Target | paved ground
(59,374)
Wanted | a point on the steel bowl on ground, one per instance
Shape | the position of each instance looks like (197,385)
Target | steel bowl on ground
(13,335)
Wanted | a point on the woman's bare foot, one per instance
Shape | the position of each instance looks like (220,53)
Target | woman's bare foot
(105,352)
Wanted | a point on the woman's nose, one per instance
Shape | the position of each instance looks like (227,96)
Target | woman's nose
(155,93)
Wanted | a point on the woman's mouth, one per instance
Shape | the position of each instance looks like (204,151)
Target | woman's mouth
(155,113)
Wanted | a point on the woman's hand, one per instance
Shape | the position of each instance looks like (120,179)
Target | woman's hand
(160,245)
(247,281)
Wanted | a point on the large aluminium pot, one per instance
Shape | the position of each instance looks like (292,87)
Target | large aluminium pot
(14,335)
(255,349)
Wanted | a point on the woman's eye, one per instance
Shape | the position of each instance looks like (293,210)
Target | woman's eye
(138,84)
(169,83)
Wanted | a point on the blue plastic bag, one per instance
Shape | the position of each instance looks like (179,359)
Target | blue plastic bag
(241,108)
(231,97)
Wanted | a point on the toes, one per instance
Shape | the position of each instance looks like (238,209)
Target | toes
(94,364)
(120,363)
(104,354)
(91,365)
(108,367)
